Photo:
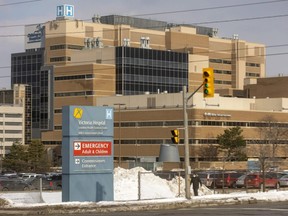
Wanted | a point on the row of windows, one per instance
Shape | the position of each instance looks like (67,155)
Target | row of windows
(60,59)
(200,123)
(152,71)
(161,141)
(29,59)
(252,64)
(71,94)
(64,46)
(155,79)
(25,69)
(130,88)
(11,140)
(220,61)
(11,131)
(11,115)
(12,123)
(191,141)
(222,72)
(252,74)
(74,77)
(152,63)
(195,123)
(225,82)
(161,55)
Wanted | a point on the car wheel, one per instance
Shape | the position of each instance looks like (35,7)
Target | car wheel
(59,187)
(26,188)
(5,189)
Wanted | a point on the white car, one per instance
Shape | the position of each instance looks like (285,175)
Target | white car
(241,181)
(283,181)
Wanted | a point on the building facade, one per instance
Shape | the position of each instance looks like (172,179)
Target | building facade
(273,87)
(141,129)
(16,112)
(26,69)
(75,62)
(12,126)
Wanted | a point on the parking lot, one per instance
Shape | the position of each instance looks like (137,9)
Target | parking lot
(30,182)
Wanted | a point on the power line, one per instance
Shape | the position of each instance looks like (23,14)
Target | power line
(155,27)
(109,68)
(171,12)
(241,19)
(211,8)
(17,3)
(195,53)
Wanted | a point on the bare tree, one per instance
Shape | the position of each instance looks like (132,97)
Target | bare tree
(273,133)
(264,148)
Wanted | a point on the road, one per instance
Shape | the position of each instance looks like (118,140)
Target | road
(263,209)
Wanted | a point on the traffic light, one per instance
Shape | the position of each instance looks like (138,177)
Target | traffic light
(208,82)
(175,136)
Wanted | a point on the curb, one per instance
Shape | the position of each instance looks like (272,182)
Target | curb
(131,206)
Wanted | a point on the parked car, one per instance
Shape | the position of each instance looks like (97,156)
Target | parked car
(276,174)
(228,179)
(51,182)
(256,180)
(26,175)
(284,181)
(55,181)
(14,185)
(208,178)
(240,183)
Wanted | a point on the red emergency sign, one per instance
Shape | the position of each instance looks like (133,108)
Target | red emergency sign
(92,148)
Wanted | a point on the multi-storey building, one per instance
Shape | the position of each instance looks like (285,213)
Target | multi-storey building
(13,124)
(15,115)
(142,127)
(26,69)
(112,55)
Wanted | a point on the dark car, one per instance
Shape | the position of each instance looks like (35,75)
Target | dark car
(227,179)
(51,182)
(55,181)
(14,185)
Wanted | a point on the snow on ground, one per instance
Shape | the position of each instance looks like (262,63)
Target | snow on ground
(152,188)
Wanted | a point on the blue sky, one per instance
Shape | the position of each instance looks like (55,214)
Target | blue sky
(269,31)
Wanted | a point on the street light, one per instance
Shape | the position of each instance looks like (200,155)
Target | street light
(119,122)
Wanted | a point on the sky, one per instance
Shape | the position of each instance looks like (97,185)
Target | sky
(259,21)
(153,190)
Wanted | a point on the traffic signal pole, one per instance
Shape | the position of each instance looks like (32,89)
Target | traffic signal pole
(186,141)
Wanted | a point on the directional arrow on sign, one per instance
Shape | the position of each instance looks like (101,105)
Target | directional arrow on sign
(77,146)
(77,161)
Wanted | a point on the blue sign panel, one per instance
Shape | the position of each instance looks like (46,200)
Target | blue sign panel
(87,153)
(65,11)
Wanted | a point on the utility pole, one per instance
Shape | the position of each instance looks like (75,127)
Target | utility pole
(186,140)
(186,146)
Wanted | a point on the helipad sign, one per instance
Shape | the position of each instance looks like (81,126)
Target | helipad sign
(87,153)
(65,11)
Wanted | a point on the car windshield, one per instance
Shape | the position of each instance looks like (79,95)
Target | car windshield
(242,177)
(283,177)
